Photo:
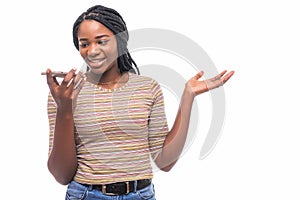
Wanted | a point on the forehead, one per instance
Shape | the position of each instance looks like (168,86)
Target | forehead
(92,27)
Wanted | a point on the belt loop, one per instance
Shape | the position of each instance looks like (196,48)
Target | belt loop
(90,187)
(127,187)
(103,189)
(135,186)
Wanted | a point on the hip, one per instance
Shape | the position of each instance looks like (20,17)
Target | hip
(133,190)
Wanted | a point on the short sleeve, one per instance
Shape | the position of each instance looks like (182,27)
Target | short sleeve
(51,108)
(158,126)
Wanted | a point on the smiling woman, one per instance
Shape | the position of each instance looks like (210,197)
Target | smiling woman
(107,124)
(98,48)
(113,25)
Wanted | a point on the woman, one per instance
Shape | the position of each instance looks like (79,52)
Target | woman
(108,124)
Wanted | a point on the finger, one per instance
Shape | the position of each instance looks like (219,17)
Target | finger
(227,77)
(79,81)
(199,75)
(69,78)
(51,81)
(78,76)
(78,87)
(220,75)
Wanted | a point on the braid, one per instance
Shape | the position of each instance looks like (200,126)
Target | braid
(113,21)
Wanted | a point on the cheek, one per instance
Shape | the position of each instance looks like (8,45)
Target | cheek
(82,53)
(115,53)
(113,50)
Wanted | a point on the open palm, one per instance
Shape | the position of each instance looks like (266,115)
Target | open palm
(197,86)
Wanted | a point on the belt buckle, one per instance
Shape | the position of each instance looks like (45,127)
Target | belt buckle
(104,191)
(109,193)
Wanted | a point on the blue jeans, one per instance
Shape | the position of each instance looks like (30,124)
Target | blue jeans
(77,191)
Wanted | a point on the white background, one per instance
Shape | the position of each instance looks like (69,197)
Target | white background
(257,156)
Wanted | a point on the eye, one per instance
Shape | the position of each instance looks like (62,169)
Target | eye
(83,45)
(103,42)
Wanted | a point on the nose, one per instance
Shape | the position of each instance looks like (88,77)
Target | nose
(94,50)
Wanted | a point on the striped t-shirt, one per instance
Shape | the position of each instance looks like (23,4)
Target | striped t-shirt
(116,130)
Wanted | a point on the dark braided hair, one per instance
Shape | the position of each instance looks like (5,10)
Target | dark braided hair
(113,21)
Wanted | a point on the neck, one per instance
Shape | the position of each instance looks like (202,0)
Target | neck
(108,76)
(110,82)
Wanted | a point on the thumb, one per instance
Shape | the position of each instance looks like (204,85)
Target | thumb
(198,75)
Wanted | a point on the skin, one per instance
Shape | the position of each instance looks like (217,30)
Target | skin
(98,47)
(176,138)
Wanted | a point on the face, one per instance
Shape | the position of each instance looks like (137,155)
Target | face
(98,47)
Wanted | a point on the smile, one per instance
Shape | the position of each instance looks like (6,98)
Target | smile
(96,61)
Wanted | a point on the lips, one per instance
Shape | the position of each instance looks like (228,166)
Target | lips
(95,63)
(95,60)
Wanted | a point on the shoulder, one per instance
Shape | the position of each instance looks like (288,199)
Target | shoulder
(146,84)
(142,79)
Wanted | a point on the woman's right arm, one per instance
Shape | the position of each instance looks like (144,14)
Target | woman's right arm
(62,161)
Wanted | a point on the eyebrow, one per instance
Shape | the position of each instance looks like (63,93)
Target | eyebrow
(97,37)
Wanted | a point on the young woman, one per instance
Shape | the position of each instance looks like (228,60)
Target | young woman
(109,123)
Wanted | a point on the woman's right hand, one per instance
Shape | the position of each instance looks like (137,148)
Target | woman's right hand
(65,94)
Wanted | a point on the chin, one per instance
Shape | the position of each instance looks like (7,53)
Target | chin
(96,67)
(97,70)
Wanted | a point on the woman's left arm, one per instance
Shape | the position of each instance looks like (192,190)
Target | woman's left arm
(176,138)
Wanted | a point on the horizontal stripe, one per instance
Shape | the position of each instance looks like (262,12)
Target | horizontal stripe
(117,131)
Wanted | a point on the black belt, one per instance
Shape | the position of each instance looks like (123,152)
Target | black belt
(121,188)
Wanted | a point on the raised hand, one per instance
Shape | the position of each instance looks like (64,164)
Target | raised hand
(66,92)
(197,87)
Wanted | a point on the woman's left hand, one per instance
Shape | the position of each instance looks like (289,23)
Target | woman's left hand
(197,87)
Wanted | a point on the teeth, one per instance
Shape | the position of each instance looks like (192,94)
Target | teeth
(96,61)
